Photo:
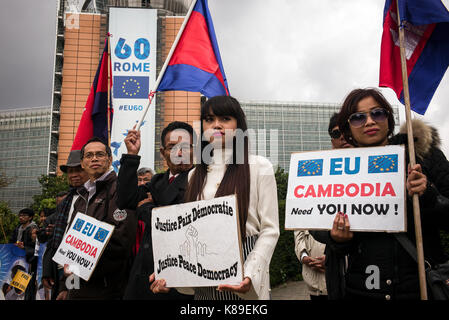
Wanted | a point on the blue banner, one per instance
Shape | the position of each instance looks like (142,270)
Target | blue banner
(12,259)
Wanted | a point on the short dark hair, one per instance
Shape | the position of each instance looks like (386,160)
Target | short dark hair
(96,139)
(350,106)
(332,122)
(27,211)
(174,126)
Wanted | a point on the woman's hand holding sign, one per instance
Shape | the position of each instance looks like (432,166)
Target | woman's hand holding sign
(340,229)
(158,286)
(416,180)
(243,287)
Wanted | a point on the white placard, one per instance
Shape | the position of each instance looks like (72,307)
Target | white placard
(368,184)
(83,244)
(133,62)
(197,244)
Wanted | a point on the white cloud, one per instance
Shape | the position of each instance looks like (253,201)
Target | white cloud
(308,51)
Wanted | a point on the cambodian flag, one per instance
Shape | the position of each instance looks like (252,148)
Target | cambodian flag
(196,64)
(94,121)
(426,25)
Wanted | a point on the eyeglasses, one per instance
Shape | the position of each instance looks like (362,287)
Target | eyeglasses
(179,146)
(335,134)
(98,155)
(359,119)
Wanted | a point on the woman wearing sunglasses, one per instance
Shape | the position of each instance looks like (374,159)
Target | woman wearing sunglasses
(378,267)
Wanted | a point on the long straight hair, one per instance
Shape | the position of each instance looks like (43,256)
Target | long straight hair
(237,176)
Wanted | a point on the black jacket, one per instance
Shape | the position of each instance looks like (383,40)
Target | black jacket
(129,195)
(28,243)
(397,270)
(109,278)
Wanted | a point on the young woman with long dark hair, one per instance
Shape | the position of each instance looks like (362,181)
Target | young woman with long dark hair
(226,168)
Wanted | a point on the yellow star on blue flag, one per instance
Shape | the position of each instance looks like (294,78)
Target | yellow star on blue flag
(383,163)
(131,87)
(101,234)
(308,168)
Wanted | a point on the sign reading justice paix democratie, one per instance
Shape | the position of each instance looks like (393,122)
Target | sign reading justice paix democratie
(198,243)
(367,184)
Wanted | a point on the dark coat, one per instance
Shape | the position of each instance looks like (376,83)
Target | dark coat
(28,243)
(129,195)
(108,281)
(397,270)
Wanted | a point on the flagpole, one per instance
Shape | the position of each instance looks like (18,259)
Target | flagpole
(411,149)
(109,89)
(167,60)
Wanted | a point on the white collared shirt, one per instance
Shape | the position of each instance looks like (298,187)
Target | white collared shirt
(91,187)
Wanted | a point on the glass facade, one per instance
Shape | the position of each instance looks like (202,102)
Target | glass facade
(24,153)
(280,128)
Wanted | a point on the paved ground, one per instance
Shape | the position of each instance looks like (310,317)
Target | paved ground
(292,290)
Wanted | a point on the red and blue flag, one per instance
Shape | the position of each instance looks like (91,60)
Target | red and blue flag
(94,121)
(196,63)
(426,25)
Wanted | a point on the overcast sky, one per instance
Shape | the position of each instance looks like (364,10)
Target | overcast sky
(28,35)
(287,50)
(310,51)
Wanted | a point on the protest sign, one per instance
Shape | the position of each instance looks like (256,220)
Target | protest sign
(134,47)
(367,184)
(198,244)
(83,245)
(21,280)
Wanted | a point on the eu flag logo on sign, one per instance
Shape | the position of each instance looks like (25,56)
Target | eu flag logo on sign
(383,163)
(78,224)
(101,234)
(131,87)
(308,168)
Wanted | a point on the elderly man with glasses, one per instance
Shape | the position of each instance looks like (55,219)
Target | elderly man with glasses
(98,199)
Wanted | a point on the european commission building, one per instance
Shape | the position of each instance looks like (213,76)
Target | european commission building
(280,128)
(24,153)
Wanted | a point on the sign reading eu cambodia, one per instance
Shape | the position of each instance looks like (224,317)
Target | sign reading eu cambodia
(367,184)
(83,245)
(198,244)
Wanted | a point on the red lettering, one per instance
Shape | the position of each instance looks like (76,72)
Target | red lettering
(310,192)
(348,189)
(364,192)
(377,189)
(388,190)
(297,195)
(83,246)
(324,192)
(93,253)
(338,190)
(67,239)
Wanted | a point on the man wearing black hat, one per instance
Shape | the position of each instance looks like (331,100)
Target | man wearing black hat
(51,272)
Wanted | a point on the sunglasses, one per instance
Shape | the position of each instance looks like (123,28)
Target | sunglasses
(359,119)
(335,134)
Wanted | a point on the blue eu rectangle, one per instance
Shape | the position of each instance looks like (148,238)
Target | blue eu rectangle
(78,224)
(383,163)
(131,87)
(101,234)
(308,168)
